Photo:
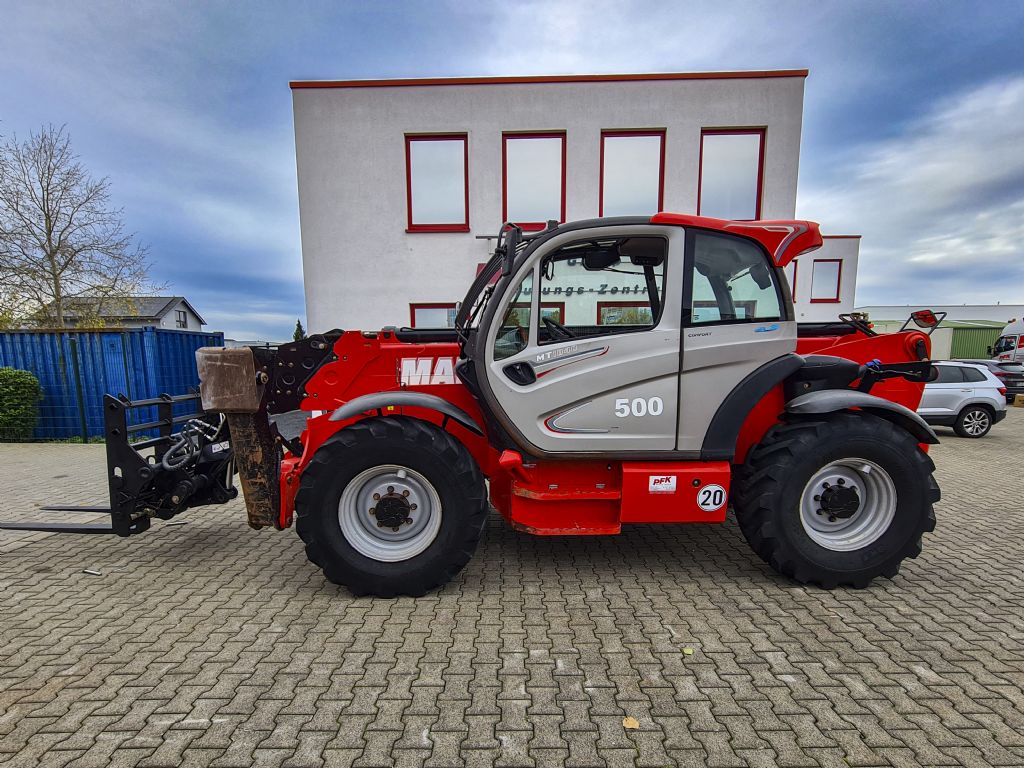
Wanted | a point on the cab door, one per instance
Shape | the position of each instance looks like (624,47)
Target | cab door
(585,356)
(736,318)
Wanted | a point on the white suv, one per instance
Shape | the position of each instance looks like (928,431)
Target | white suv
(966,397)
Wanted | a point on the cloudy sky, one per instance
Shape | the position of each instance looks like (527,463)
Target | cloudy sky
(913,122)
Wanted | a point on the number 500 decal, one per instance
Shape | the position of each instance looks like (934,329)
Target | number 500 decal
(639,406)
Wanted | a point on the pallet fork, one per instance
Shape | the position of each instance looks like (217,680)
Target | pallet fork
(189,466)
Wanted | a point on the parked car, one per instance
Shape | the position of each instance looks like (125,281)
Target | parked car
(964,396)
(1010,373)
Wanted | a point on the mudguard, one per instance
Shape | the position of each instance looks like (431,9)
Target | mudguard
(830,400)
(378,400)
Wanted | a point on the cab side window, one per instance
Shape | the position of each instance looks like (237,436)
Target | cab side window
(732,282)
(514,331)
(601,287)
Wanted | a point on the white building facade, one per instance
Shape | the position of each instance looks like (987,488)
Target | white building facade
(403,183)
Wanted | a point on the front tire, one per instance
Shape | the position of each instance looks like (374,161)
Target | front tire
(973,421)
(391,506)
(837,501)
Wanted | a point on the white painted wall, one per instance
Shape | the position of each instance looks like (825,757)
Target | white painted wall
(362,269)
(844,247)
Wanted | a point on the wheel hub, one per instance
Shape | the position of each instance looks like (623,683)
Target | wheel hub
(839,502)
(393,510)
(389,513)
(848,504)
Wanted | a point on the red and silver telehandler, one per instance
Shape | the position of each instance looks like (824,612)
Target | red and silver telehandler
(600,373)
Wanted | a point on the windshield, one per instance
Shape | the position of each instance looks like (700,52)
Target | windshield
(1011,367)
(476,297)
(479,293)
(1005,344)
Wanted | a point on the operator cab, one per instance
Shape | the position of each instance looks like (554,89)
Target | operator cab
(623,336)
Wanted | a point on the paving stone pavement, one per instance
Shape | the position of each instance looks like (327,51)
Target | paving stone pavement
(212,644)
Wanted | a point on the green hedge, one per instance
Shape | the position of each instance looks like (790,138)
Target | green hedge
(20,395)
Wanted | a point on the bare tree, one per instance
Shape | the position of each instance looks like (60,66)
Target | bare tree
(60,239)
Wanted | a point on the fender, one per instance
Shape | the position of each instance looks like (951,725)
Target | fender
(830,400)
(378,400)
(724,429)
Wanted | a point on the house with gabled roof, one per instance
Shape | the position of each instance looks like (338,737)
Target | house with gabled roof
(170,312)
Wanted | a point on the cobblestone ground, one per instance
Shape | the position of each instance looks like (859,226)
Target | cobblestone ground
(211,644)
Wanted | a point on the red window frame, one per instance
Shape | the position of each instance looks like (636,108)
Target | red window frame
(660,133)
(557,305)
(622,304)
(462,226)
(839,281)
(758,131)
(529,226)
(427,305)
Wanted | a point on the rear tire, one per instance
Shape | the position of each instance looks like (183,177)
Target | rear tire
(812,534)
(973,421)
(391,506)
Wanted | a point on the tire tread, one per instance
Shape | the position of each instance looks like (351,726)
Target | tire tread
(759,485)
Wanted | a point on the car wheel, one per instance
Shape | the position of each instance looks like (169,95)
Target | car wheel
(973,421)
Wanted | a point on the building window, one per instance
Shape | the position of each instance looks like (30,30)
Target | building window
(826,277)
(553,309)
(731,173)
(181,319)
(632,173)
(437,183)
(533,178)
(624,313)
(432,315)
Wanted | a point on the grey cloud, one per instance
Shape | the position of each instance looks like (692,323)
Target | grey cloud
(941,206)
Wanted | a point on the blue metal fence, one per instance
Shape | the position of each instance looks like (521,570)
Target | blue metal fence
(76,368)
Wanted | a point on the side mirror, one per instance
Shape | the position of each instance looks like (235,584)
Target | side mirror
(924,318)
(990,350)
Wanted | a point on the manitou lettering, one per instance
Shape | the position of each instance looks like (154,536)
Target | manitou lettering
(420,371)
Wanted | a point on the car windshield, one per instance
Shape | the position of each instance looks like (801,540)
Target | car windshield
(1005,344)
(1011,367)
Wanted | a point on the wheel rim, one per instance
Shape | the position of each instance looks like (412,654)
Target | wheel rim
(976,422)
(389,513)
(834,525)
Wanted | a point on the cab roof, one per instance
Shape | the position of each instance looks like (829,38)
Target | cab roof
(784,239)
